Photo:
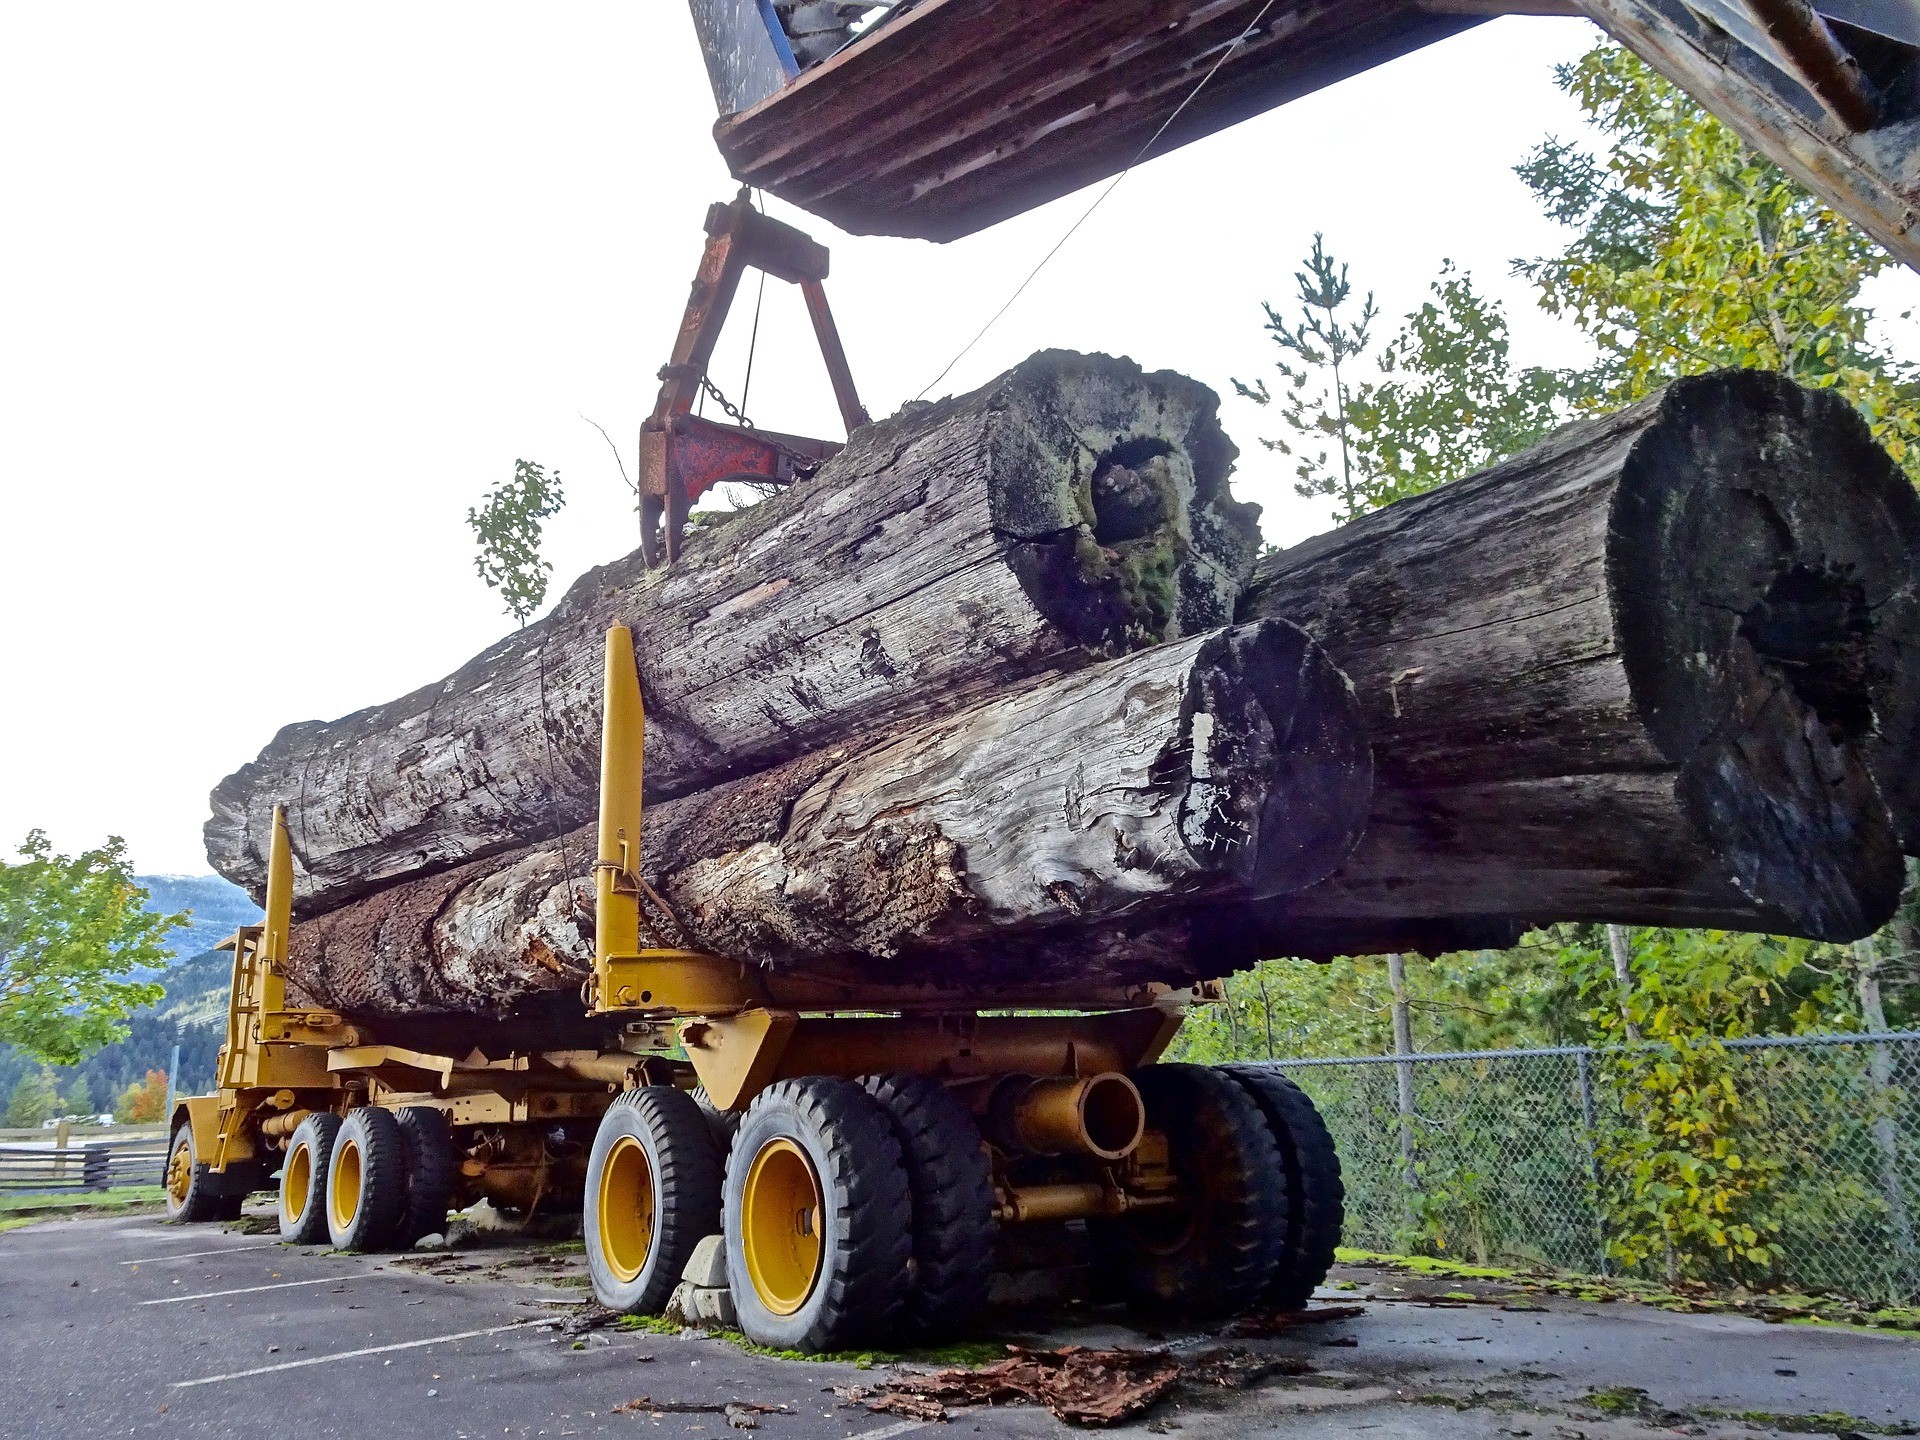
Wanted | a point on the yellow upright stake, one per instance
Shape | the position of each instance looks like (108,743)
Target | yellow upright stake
(622,742)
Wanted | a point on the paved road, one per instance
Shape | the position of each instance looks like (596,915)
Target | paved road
(129,1326)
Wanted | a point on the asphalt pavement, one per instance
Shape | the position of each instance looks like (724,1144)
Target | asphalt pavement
(129,1326)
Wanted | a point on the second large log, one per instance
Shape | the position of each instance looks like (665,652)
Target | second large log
(1663,669)
(1076,507)
(1054,836)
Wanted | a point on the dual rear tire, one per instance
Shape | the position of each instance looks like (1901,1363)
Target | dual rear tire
(378,1179)
(856,1211)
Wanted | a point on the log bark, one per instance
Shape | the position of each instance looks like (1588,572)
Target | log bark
(1663,669)
(1058,835)
(1075,508)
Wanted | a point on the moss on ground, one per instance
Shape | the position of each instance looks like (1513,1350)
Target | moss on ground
(1775,1307)
(965,1352)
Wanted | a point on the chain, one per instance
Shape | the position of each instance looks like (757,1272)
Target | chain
(733,411)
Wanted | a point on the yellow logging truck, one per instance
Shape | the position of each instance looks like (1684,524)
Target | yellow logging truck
(839,1138)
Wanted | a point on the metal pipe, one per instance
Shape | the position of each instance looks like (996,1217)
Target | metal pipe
(1024,1204)
(274,1126)
(1820,61)
(1101,1115)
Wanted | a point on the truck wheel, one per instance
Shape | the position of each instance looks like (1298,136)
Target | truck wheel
(1316,1195)
(1216,1252)
(653,1193)
(427,1141)
(303,1179)
(366,1180)
(724,1124)
(190,1200)
(817,1217)
(954,1231)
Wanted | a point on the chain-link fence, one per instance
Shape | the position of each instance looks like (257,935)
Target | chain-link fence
(1554,1156)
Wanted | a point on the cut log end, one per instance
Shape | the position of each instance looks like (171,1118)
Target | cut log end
(1762,564)
(1111,487)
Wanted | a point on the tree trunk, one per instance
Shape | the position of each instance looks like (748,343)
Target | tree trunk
(1663,669)
(1072,509)
(1058,835)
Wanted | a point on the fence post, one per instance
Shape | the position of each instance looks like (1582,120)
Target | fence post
(96,1167)
(1590,1136)
(1403,1079)
(1879,1084)
(61,1134)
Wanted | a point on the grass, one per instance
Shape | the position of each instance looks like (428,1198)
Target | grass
(21,1210)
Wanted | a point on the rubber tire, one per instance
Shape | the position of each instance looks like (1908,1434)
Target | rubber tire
(1316,1195)
(1231,1240)
(864,1222)
(317,1132)
(724,1124)
(955,1235)
(686,1170)
(200,1204)
(383,1180)
(431,1167)
(228,1207)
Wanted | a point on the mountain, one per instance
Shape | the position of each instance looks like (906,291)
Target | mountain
(216,906)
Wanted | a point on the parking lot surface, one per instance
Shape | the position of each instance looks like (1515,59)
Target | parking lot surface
(129,1326)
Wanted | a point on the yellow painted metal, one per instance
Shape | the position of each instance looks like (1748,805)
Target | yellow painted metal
(738,1056)
(371,1057)
(344,1182)
(179,1174)
(683,982)
(623,732)
(300,1181)
(780,1220)
(1100,1115)
(202,1114)
(625,1216)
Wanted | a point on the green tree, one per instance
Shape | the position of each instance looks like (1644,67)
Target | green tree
(72,930)
(35,1098)
(1315,354)
(1693,253)
(508,524)
(77,1098)
(1448,399)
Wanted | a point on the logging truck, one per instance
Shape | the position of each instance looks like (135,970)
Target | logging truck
(837,1135)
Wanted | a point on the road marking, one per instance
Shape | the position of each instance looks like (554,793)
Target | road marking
(197,1254)
(887,1432)
(405,1345)
(255,1289)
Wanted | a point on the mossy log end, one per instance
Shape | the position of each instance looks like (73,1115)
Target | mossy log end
(1073,509)
(1057,835)
(1663,669)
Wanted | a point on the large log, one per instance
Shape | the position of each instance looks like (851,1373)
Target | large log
(1058,835)
(1663,669)
(1074,508)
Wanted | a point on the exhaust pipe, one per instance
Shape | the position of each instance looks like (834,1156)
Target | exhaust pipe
(1101,1116)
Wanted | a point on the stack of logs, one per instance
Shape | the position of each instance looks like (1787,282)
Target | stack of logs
(1003,698)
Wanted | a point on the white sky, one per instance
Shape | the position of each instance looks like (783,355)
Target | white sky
(283,289)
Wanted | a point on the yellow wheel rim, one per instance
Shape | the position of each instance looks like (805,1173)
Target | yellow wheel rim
(343,1198)
(180,1174)
(299,1181)
(625,1219)
(780,1226)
